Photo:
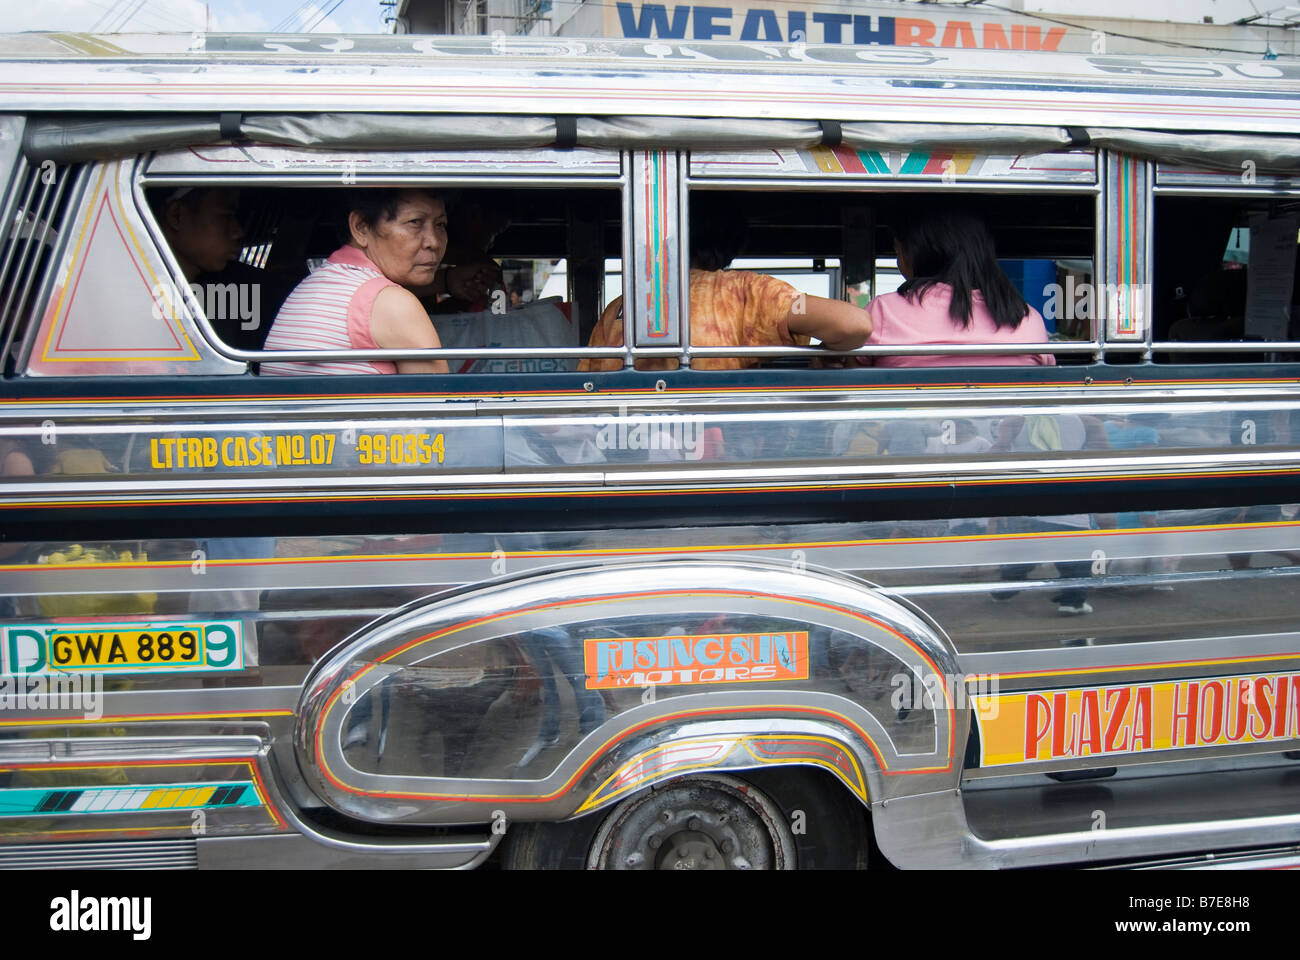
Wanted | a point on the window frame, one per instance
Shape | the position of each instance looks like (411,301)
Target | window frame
(428,177)
(1270,188)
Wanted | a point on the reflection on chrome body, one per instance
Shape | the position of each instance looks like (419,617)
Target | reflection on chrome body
(684,748)
(825,444)
(370,706)
(932,832)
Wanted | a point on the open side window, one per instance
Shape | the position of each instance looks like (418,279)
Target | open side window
(1226,283)
(838,244)
(553,256)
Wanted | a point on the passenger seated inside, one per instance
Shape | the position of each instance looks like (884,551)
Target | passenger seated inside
(954,292)
(737,308)
(361,298)
(471,277)
(202,227)
(472,309)
(1216,308)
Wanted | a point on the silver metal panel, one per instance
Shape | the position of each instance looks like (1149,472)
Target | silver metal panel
(950,567)
(172,699)
(61,749)
(11,141)
(664,78)
(120,788)
(653,297)
(305,853)
(1279,647)
(131,855)
(1246,177)
(1286,859)
(210,450)
(99,493)
(223,160)
(931,832)
(190,449)
(1033,806)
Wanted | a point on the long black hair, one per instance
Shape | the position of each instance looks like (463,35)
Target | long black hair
(953,247)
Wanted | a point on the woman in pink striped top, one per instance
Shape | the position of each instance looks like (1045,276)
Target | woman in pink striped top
(361,298)
(955,293)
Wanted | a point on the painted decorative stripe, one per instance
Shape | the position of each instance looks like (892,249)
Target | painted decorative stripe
(656,293)
(850,161)
(823,159)
(25,801)
(692,550)
(662,491)
(69,720)
(166,796)
(915,163)
(704,753)
(1128,305)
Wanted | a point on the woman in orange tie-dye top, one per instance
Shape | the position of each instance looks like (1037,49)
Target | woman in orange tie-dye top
(738,308)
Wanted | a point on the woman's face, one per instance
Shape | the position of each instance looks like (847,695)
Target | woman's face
(407,248)
(904,262)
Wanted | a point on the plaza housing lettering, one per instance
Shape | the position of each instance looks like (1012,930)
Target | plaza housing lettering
(1195,713)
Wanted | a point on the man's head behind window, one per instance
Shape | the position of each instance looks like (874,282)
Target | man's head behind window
(202,227)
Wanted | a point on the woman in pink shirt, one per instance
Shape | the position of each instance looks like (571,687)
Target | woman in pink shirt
(955,293)
(361,298)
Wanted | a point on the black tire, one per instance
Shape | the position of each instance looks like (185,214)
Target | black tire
(820,825)
(550,846)
(834,832)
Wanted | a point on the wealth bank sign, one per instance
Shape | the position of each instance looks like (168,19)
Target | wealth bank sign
(776,22)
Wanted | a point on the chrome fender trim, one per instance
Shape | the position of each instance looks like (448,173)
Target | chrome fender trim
(853,644)
(730,745)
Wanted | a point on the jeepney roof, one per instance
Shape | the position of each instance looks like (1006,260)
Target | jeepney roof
(628,94)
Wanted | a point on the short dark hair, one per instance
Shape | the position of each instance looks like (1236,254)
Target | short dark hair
(189,197)
(375,205)
(718,231)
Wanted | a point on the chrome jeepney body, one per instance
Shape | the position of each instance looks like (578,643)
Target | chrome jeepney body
(391,659)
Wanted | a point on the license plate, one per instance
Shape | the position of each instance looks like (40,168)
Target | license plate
(157,646)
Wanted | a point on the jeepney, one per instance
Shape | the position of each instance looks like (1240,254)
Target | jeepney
(791,615)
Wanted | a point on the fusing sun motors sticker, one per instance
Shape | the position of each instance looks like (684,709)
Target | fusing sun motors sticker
(713,658)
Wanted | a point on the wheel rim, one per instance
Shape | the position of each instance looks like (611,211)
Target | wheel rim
(697,823)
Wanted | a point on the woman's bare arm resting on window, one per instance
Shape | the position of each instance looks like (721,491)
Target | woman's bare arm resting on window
(838,325)
(398,322)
